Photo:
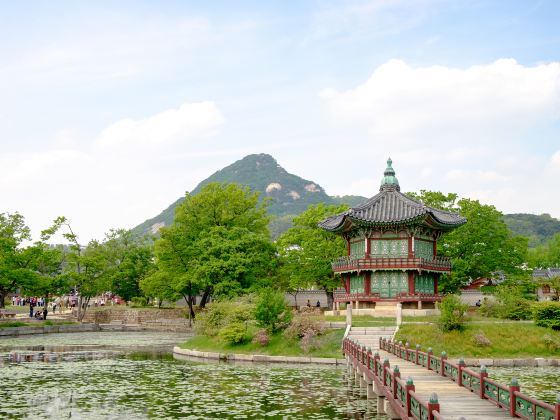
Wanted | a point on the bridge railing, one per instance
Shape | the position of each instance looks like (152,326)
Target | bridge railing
(508,398)
(400,391)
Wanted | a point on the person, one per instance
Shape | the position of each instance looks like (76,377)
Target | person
(45,312)
(318,305)
(30,309)
(308,303)
(478,303)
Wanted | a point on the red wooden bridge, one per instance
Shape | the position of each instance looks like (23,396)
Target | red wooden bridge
(413,384)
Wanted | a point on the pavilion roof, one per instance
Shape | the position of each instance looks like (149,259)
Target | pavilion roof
(390,207)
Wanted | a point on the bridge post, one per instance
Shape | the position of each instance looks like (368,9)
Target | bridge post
(396,374)
(433,405)
(409,387)
(429,358)
(557,408)
(483,375)
(443,358)
(386,364)
(417,350)
(513,388)
(461,365)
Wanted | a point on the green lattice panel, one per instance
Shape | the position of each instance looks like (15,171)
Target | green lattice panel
(424,249)
(424,284)
(394,248)
(389,283)
(357,284)
(358,249)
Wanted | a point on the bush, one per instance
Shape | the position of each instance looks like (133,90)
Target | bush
(302,325)
(262,338)
(234,333)
(139,302)
(452,313)
(272,311)
(309,342)
(547,314)
(512,303)
(551,342)
(218,315)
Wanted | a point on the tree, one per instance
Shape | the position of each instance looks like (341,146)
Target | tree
(307,251)
(159,285)
(218,243)
(25,267)
(547,255)
(482,246)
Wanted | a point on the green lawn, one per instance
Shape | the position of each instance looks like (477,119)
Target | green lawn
(362,320)
(12,324)
(507,339)
(329,346)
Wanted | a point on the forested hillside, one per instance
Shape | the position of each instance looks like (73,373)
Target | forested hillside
(538,228)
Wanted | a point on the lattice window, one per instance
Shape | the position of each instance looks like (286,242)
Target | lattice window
(424,249)
(394,248)
(358,249)
(424,284)
(357,284)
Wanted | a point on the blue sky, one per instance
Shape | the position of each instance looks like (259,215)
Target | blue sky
(111,110)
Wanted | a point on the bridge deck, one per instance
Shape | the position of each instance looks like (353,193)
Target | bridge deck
(455,402)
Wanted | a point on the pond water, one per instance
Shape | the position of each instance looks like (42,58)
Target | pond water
(542,383)
(134,376)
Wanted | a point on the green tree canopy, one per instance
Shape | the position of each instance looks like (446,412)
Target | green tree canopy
(307,251)
(218,243)
(482,246)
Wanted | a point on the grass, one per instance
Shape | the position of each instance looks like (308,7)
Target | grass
(507,340)
(329,346)
(13,324)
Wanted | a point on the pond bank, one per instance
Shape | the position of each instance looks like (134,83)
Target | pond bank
(74,328)
(260,358)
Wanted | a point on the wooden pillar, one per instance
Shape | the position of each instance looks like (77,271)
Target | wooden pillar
(347,283)
(435,249)
(411,286)
(367,285)
(410,246)
(435,285)
(368,246)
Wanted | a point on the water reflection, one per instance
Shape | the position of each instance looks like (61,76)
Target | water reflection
(537,382)
(140,382)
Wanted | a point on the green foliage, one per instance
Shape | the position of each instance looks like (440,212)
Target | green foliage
(547,314)
(480,247)
(306,252)
(218,315)
(510,303)
(218,243)
(234,333)
(547,255)
(138,302)
(538,228)
(272,311)
(304,325)
(452,313)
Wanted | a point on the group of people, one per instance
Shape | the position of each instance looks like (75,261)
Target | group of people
(28,300)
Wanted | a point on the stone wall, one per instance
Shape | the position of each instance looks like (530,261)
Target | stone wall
(158,319)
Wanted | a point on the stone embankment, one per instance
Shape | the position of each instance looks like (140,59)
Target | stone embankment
(150,319)
(261,358)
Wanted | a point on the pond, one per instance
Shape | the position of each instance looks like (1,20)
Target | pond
(134,376)
(542,383)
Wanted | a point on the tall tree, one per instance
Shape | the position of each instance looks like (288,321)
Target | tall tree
(307,251)
(484,245)
(217,243)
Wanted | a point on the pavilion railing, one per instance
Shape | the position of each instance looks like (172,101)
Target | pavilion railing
(508,398)
(375,261)
(401,392)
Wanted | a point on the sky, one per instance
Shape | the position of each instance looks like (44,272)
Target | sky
(111,110)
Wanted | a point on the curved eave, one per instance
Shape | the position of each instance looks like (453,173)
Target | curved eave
(433,221)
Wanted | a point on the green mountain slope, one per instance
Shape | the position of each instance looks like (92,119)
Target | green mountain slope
(538,228)
(289,194)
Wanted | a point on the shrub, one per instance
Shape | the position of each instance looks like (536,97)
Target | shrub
(452,313)
(233,333)
(512,303)
(138,301)
(309,342)
(547,314)
(301,325)
(262,338)
(218,315)
(551,342)
(272,311)
(481,340)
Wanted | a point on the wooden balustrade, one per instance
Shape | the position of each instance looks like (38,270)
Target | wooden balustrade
(508,398)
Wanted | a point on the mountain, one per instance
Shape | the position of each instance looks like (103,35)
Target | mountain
(538,228)
(289,194)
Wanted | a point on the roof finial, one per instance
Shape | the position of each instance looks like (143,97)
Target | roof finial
(389,181)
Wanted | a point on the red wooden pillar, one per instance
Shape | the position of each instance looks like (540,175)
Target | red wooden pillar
(411,286)
(409,387)
(434,249)
(429,358)
(386,365)
(396,374)
(367,285)
(483,376)
(433,405)
(347,284)
(410,247)
(436,285)
(513,388)
(368,247)
(417,350)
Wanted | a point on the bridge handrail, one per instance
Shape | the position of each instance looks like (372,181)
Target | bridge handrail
(400,391)
(508,398)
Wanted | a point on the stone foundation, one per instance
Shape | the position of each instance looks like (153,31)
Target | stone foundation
(156,319)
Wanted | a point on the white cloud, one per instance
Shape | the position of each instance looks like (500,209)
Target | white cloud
(190,120)
(399,100)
